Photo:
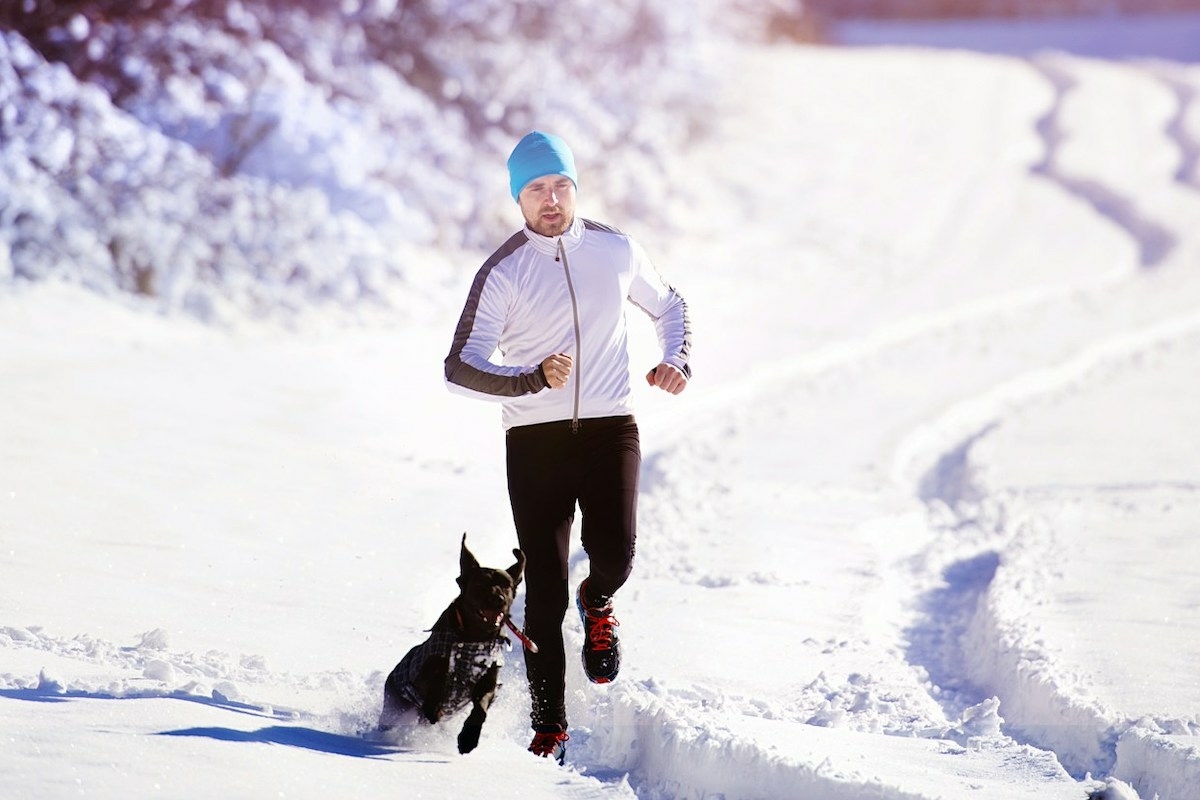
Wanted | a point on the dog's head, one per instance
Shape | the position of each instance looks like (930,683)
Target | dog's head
(485,594)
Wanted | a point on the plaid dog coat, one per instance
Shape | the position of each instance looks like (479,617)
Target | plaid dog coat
(468,663)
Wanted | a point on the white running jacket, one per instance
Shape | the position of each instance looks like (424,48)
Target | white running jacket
(537,296)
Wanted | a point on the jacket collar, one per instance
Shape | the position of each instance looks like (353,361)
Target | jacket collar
(548,245)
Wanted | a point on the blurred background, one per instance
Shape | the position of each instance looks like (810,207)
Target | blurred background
(262,156)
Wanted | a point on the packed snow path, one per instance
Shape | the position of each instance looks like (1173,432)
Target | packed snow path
(869,534)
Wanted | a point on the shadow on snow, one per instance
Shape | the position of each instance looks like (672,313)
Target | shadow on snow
(289,735)
(294,736)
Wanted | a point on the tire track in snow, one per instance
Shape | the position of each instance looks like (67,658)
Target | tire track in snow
(1188,143)
(944,480)
(1041,702)
(1155,242)
(685,764)
(931,447)
(962,637)
(1052,705)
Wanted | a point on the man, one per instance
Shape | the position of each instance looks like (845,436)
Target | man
(551,302)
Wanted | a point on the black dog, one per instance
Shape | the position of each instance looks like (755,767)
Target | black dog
(460,661)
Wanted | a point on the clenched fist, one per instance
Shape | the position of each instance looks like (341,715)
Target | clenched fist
(557,368)
(668,378)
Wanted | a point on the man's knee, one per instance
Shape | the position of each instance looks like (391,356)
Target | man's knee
(545,603)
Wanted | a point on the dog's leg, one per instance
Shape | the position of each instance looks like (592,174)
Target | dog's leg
(398,709)
(431,685)
(481,701)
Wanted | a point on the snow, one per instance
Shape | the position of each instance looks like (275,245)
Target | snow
(923,526)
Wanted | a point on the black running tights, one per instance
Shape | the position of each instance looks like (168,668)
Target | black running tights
(551,469)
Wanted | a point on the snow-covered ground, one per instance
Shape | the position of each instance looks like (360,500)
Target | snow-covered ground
(923,526)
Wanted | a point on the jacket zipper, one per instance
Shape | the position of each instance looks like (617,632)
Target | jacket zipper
(562,251)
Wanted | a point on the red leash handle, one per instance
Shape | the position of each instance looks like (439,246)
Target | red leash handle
(525,640)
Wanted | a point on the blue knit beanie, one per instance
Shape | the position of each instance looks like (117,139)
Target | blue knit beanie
(539,154)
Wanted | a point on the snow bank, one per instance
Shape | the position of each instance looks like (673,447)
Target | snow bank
(267,158)
(1159,765)
(1045,705)
(94,197)
(669,755)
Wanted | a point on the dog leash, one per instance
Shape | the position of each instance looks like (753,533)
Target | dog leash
(525,640)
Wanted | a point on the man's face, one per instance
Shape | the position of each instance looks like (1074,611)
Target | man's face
(548,204)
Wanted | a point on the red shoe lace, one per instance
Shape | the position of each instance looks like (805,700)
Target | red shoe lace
(545,744)
(601,633)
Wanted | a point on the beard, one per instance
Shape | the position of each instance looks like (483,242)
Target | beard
(553,221)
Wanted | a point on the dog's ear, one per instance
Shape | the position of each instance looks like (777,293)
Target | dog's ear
(518,569)
(466,561)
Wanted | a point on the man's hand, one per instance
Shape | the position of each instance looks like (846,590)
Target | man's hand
(557,368)
(668,378)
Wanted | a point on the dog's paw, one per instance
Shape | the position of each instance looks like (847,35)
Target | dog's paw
(468,738)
